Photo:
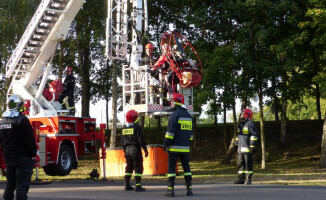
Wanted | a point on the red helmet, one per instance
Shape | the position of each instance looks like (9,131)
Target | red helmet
(247,113)
(178,98)
(69,69)
(131,116)
(149,46)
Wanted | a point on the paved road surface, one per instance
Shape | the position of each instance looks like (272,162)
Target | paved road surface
(113,190)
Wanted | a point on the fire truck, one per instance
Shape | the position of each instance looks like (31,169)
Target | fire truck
(62,138)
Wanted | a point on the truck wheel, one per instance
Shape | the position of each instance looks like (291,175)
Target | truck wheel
(50,170)
(65,161)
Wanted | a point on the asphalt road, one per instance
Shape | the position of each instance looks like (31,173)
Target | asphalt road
(114,190)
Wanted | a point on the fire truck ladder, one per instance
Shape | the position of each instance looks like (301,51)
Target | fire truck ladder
(35,50)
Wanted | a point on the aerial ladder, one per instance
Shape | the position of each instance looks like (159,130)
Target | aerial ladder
(32,58)
(60,138)
(140,91)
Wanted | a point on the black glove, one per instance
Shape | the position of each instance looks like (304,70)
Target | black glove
(146,153)
(252,150)
(166,149)
(235,148)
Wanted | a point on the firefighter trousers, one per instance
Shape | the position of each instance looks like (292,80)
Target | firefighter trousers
(245,163)
(70,95)
(172,161)
(134,161)
(18,178)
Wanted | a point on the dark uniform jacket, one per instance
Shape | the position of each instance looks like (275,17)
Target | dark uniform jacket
(70,81)
(17,139)
(180,131)
(247,136)
(133,135)
(147,60)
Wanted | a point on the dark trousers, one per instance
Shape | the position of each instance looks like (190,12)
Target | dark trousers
(134,159)
(173,158)
(70,98)
(18,178)
(172,161)
(244,163)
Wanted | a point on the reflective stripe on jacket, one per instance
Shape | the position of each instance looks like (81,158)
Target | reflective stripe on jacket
(247,136)
(180,131)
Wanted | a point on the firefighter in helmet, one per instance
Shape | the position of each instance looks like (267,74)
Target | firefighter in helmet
(69,84)
(132,142)
(149,58)
(19,148)
(245,146)
(177,140)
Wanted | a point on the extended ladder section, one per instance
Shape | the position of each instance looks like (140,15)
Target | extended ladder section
(117,29)
(34,53)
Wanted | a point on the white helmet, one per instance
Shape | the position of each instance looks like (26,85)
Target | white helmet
(15,105)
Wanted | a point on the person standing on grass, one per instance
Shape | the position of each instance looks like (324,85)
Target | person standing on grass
(19,149)
(245,146)
(132,142)
(177,140)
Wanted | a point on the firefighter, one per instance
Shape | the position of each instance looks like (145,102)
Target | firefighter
(245,146)
(177,142)
(149,58)
(19,149)
(69,84)
(132,142)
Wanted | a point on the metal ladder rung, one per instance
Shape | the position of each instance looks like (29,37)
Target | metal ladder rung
(47,21)
(39,33)
(58,1)
(36,39)
(55,11)
(43,27)
(31,51)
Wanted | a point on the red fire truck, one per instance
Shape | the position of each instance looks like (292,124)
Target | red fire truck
(60,138)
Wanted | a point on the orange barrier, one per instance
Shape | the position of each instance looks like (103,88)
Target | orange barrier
(155,164)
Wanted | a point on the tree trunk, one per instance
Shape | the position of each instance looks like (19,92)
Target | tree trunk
(230,152)
(323,146)
(283,123)
(159,122)
(262,135)
(61,56)
(142,121)
(84,66)
(276,100)
(215,119)
(225,130)
(318,102)
(113,138)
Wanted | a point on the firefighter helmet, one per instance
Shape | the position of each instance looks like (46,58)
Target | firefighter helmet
(149,46)
(178,98)
(69,69)
(15,105)
(131,116)
(246,113)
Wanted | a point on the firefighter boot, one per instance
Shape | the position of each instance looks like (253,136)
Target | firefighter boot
(63,106)
(128,186)
(241,179)
(72,111)
(170,191)
(189,188)
(138,187)
(248,179)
